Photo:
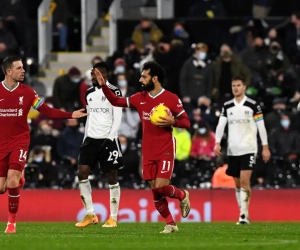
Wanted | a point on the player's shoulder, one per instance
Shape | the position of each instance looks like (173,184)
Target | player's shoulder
(90,90)
(27,89)
(250,103)
(115,89)
(169,94)
(229,104)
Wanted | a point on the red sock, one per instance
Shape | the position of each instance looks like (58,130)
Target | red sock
(13,203)
(171,191)
(162,207)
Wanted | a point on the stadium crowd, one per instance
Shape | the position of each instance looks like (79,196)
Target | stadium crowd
(201,76)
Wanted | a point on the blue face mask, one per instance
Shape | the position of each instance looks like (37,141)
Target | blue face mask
(76,80)
(38,159)
(119,69)
(202,131)
(123,147)
(201,56)
(178,32)
(122,83)
(285,123)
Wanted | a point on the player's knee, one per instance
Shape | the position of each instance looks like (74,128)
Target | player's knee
(83,172)
(112,177)
(2,190)
(13,181)
(245,184)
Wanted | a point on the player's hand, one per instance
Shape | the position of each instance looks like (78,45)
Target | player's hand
(79,113)
(217,149)
(166,121)
(266,154)
(99,77)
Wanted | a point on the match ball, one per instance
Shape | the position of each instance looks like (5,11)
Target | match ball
(159,111)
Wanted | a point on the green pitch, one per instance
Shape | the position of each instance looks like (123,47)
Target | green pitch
(134,236)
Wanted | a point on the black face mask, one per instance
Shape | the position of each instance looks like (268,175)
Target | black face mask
(275,48)
(203,107)
(258,48)
(149,86)
(146,29)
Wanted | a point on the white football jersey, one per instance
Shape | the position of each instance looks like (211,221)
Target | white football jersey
(242,127)
(104,119)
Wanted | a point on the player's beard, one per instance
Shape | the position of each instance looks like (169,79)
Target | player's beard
(149,86)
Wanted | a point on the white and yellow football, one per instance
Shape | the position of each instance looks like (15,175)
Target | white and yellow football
(159,111)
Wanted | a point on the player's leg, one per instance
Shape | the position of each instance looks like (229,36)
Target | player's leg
(233,170)
(163,187)
(86,197)
(114,197)
(247,165)
(2,185)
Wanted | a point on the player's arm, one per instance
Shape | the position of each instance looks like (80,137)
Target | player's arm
(259,120)
(220,130)
(43,108)
(117,117)
(182,120)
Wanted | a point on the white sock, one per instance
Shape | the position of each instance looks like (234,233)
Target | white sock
(114,193)
(238,196)
(245,199)
(86,196)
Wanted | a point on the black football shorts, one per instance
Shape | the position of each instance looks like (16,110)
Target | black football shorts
(238,163)
(105,152)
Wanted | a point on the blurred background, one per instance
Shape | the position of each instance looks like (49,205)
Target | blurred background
(201,44)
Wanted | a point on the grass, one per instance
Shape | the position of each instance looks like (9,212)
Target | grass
(134,236)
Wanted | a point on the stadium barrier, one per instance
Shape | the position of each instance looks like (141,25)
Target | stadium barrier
(137,206)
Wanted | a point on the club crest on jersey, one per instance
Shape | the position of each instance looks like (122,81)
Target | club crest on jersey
(21,100)
(103,98)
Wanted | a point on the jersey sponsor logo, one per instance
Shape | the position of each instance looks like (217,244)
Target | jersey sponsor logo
(179,103)
(99,110)
(21,100)
(11,112)
(1,100)
(146,116)
(90,99)
(239,121)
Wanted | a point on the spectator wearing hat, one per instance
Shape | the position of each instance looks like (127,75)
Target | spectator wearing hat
(179,33)
(66,90)
(145,32)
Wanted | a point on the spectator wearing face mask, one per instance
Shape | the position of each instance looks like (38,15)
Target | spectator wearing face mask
(180,33)
(69,142)
(145,32)
(183,144)
(39,164)
(46,137)
(122,83)
(196,77)
(66,90)
(284,141)
(203,142)
(84,86)
(226,67)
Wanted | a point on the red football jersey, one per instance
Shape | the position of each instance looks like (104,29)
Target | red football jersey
(158,143)
(15,105)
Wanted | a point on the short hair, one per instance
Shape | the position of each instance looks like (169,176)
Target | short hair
(8,62)
(155,70)
(97,58)
(101,65)
(239,78)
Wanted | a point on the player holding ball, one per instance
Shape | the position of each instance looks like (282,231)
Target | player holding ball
(158,145)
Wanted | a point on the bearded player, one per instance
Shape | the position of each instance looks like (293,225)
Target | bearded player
(158,145)
(16,99)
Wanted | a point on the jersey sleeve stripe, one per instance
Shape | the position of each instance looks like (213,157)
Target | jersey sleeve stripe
(258,117)
(180,113)
(128,102)
(37,102)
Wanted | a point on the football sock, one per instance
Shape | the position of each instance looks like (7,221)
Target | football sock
(86,196)
(238,196)
(245,199)
(161,205)
(114,192)
(13,203)
(171,192)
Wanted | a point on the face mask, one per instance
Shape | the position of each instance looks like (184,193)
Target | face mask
(275,48)
(202,131)
(122,83)
(149,86)
(201,56)
(258,48)
(46,131)
(279,110)
(123,147)
(180,130)
(285,123)
(178,32)
(75,80)
(226,54)
(146,29)
(38,159)
(119,69)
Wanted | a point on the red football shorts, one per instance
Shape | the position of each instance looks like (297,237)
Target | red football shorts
(157,169)
(15,160)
